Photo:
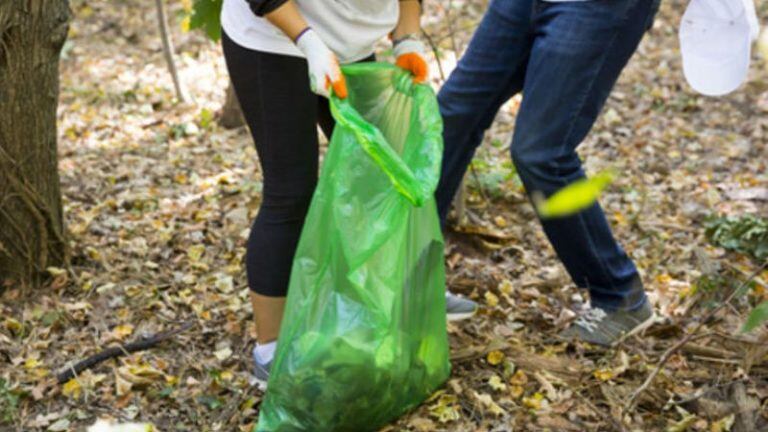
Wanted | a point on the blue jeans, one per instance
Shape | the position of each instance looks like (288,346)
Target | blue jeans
(564,58)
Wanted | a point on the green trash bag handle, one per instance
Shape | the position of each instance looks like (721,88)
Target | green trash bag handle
(417,188)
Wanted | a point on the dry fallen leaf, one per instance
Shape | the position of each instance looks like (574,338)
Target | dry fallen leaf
(488,402)
(491,299)
(496,383)
(495,357)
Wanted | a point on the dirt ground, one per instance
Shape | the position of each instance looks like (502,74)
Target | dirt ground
(158,201)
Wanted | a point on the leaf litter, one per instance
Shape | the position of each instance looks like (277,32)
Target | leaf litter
(158,200)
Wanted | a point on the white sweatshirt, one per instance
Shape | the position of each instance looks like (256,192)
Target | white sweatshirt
(350,28)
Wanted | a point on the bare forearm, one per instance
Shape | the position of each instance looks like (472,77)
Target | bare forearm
(288,19)
(409,21)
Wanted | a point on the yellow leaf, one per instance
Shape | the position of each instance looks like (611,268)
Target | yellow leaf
(71,389)
(195,252)
(533,402)
(491,299)
(488,402)
(55,271)
(93,253)
(185,23)
(13,325)
(663,279)
(495,357)
(575,197)
(500,221)
(506,286)
(122,331)
(181,178)
(496,383)
(604,374)
(31,363)
(619,218)
(724,424)
(40,373)
(516,391)
(445,409)
(145,370)
(519,378)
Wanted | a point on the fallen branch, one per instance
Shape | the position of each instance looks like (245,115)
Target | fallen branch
(562,369)
(630,405)
(706,351)
(113,352)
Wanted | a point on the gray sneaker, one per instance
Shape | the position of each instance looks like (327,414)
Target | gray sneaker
(600,327)
(459,308)
(261,371)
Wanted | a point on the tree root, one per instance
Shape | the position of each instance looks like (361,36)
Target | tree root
(45,222)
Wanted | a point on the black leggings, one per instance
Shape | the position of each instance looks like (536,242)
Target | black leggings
(282,114)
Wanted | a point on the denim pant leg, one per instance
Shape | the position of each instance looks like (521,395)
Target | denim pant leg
(578,53)
(489,73)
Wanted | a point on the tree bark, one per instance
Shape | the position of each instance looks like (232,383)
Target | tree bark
(231,116)
(32,33)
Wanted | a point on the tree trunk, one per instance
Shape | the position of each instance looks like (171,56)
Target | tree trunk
(231,116)
(32,33)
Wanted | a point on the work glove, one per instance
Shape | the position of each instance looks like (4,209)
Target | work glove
(324,71)
(409,55)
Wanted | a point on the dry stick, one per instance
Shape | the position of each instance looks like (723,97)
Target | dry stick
(606,417)
(630,405)
(436,52)
(168,50)
(113,352)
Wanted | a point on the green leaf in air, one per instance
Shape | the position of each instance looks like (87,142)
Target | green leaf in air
(575,197)
(205,16)
(758,316)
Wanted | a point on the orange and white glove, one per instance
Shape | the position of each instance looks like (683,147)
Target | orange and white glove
(409,55)
(324,71)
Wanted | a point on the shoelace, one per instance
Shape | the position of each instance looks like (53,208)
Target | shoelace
(591,319)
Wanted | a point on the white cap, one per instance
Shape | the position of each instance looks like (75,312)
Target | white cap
(715,41)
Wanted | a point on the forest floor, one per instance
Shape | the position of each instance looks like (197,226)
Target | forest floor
(158,200)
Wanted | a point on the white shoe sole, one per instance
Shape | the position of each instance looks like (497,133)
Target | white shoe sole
(258,383)
(461,316)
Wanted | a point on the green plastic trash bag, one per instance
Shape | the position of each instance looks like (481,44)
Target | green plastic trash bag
(364,337)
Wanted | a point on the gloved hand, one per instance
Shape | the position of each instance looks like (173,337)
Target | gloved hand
(409,55)
(324,71)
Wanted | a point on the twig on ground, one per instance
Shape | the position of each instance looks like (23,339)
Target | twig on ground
(631,403)
(113,352)
(606,418)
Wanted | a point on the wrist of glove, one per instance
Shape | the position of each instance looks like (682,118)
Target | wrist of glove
(324,70)
(409,55)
